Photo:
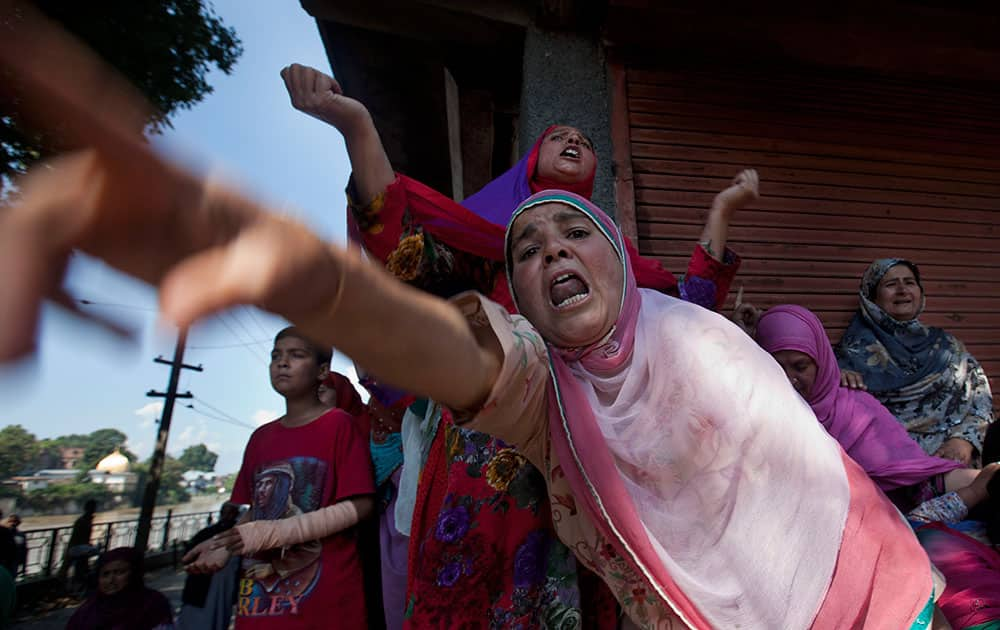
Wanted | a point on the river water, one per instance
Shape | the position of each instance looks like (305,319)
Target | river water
(200,503)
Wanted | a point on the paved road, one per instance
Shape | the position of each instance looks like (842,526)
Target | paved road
(167,581)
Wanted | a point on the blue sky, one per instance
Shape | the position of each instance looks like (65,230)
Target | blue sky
(81,379)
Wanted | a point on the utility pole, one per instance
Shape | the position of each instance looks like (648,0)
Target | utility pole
(156,465)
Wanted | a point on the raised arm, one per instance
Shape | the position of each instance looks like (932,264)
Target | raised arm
(225,250)
(743,190)
(206,246)
(320,96)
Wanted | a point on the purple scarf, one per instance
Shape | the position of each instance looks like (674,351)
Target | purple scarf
(865,429)
(497,200)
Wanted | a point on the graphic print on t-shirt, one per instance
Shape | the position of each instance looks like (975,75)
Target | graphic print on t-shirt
(275,582)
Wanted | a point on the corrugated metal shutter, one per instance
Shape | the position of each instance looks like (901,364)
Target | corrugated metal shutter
(852,168)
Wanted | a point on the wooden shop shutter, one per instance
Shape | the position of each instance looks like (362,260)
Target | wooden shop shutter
(853,168)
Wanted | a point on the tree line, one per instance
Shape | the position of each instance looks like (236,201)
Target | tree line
(21,453)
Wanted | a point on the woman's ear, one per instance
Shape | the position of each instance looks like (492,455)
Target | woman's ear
(324,371)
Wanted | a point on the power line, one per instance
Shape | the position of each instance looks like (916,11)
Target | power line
(241,324)
(224,346)
(222,413)
(113,305)
(238,338)
(242,425)
(255,320)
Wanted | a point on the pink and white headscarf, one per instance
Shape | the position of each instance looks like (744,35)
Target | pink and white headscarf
(694,456)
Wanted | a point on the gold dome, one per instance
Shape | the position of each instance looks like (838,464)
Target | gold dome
(113,463)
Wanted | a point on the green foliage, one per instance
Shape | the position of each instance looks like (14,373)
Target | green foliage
(171,477)
(166,48)
(48,499)
(18,450)
(198,457)
(100,444)
(10,491)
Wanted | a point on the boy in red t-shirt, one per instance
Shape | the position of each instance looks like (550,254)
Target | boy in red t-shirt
(308,479)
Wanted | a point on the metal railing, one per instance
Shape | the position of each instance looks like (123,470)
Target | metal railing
(47,547)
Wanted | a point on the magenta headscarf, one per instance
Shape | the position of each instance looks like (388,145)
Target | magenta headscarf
(864,427)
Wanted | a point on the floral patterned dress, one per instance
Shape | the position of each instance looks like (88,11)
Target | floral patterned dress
(483,552)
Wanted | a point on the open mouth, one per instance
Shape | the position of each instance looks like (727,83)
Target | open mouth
(567,289)
(571,152)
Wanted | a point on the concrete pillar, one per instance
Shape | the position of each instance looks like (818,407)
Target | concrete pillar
(565,82)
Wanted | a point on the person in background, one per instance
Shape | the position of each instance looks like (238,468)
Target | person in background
(20,541)
(308,479)
(967,552)
(122,600)
(865,429)
(9,552)
(338,391)
(924,375)
(8,597)
(208,599)
(931,490)
(79,550)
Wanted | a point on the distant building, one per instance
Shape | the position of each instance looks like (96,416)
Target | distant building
(71,456)
(201,480)
(44,479)
(113,473)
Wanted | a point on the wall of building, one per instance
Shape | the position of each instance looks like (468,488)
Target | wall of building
(565,82)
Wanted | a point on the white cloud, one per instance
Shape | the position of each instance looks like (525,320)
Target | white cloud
(149,413)
(263,416)
(189,436)
(185,436)
(141,450)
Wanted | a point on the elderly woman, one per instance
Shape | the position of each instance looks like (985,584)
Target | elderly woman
(681,466)
(922,374)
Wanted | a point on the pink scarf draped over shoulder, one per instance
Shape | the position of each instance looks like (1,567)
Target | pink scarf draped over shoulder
(690,452)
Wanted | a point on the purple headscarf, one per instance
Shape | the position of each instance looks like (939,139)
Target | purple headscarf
(497,200)
(865,429)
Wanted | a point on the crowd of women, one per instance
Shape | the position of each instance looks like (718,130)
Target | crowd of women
(562,434)
(918,434)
